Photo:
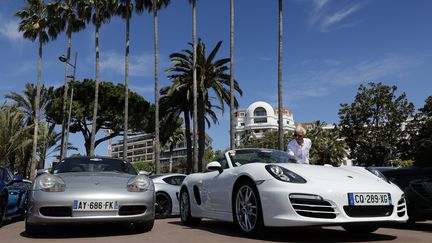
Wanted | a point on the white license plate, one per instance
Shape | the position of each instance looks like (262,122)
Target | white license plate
(367,199)
(79,205)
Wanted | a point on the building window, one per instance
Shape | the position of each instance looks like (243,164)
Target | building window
(260,112)
(260,120)
(242,114)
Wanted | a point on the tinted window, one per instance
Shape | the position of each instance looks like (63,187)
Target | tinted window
(1,174)
(174,180)
(94,165)
(241,157)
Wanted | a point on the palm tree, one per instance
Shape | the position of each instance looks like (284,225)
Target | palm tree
(49,139)
(99,12)
(280,102)
(175,138)
(194,89)
(37,24)
(232,121)
(124,9)
(71,22)
(156,5)
(26,101)
(14,134)
(211,75)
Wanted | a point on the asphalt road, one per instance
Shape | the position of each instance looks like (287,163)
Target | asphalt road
(171,230)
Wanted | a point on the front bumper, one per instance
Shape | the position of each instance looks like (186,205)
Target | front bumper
(40,199)
(278,209)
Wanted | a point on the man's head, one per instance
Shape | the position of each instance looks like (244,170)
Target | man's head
(299,134)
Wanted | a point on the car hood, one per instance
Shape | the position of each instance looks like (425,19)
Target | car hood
(341,174)
(90,180)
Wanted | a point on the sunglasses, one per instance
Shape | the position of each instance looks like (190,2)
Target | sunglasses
(299,136)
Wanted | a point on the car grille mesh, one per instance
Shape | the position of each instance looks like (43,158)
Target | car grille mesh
(314,208)
(369,211)
(132,210)
(422,188)
(56,211)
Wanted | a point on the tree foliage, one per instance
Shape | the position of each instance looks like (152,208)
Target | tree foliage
(327,146)
(269,140)
(421,137)
(110,107)
(372,124)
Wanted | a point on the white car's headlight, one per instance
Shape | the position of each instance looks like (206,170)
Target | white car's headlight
(378,174)
(283,174)
(50,183)
(139,183)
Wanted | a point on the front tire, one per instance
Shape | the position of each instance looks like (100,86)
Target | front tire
(185,211)
(247,208)
(360,229)
(163,205)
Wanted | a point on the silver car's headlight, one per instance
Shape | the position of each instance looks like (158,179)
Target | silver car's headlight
(139,183)
(50,183)
(378,174)
(283,174)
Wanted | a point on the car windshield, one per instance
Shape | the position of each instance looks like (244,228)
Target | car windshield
(246,156)
(84,164)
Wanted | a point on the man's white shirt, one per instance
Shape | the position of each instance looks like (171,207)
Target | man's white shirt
(300,152)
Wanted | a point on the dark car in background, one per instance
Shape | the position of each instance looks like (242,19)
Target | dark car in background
(416,182)
(13,195)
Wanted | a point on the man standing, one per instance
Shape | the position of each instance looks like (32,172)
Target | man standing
(299,147)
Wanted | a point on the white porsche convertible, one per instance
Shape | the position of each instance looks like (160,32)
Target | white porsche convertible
(255,188)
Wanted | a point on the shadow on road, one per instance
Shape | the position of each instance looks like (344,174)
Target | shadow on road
(297,234)
(83,231)
(419,226)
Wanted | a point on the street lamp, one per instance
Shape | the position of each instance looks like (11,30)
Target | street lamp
(65,139)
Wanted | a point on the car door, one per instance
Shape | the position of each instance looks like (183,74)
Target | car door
(216,188)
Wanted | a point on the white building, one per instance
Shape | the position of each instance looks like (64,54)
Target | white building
(258,118)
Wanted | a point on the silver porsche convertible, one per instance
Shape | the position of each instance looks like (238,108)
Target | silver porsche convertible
(91,190)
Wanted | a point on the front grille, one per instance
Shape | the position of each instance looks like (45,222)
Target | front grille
(132,210)
(56,211)
(368,211)
(422,188)
(314,208)
(401,208)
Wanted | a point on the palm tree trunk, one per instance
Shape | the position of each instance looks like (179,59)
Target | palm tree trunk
(156,91)
(126,109)
(36,118)
(188,141)
(201,131)
(232,117)
(95,107)
(171,158)
(280,102)
(65,95)
(194,87)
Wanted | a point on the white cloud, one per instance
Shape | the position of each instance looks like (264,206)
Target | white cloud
(139,65)
(321,82)
(9,29)
(327,15)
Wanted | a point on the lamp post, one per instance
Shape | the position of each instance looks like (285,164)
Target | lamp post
(65,138)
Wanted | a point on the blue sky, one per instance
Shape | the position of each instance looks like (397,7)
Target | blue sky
(330,48)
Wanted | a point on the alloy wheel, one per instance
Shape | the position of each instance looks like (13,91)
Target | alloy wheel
(246,208)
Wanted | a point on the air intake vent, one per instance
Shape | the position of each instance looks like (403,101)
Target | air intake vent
(132,210)
(401,208)
(312,206)
(422,188)
(56,211)
(369,211)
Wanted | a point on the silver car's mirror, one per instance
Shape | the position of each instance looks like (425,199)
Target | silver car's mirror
(212,166)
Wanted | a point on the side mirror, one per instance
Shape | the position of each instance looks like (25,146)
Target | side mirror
(212,166)
(17,179)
